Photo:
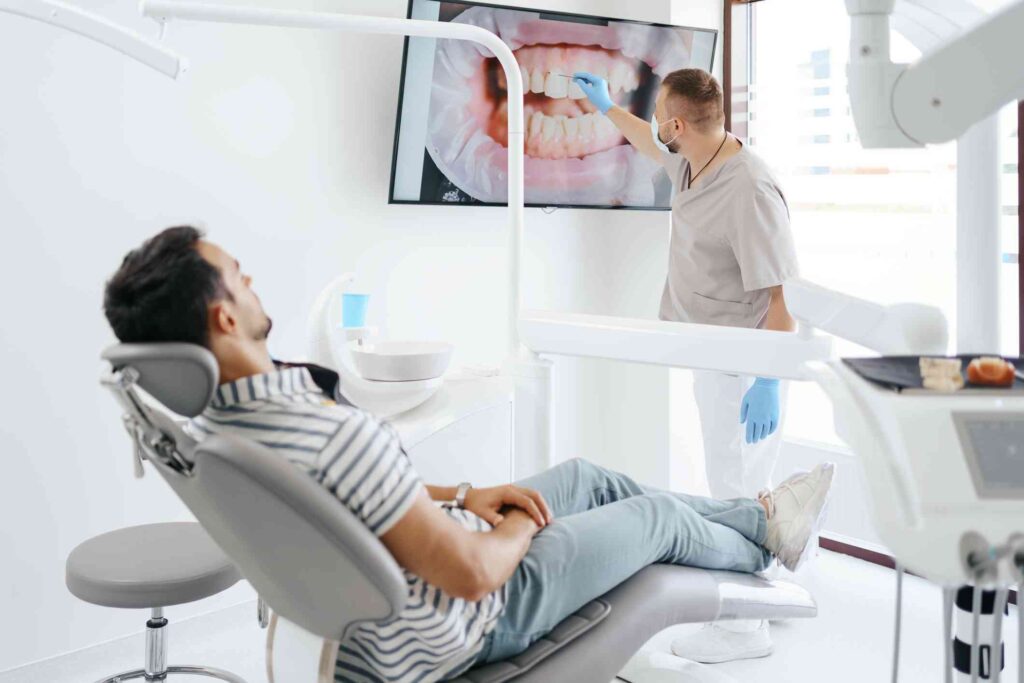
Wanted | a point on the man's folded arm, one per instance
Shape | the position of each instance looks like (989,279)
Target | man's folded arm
(464,564)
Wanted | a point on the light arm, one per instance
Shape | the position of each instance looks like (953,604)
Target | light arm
(939,97)
(101,30)
(257,16)
(897,329)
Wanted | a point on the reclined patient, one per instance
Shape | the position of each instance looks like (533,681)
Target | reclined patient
(487,579)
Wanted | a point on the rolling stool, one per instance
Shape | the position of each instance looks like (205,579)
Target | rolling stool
(152,566)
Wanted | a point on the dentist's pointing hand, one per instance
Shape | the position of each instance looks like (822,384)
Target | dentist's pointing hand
(596,90)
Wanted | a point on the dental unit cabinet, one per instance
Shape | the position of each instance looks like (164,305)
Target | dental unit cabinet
(445,422)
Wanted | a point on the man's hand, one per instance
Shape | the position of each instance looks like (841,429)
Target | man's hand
(596,90)
(516,522)
(760,409)
(487,503)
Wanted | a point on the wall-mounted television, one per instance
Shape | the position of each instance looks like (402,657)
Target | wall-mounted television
(451,134)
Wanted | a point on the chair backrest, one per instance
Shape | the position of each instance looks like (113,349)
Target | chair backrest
(303,551)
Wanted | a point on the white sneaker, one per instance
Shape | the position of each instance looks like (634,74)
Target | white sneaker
(649,666)
(715,644)
(796,509)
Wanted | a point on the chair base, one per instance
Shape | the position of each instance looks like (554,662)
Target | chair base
(207,671)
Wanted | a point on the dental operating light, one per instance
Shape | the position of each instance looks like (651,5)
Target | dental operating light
(163,11)
(939,97)
(101,30)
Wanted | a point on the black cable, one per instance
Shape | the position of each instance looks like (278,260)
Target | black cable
(996,666)
(975,629)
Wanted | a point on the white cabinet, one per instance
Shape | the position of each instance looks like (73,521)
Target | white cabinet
(463,433)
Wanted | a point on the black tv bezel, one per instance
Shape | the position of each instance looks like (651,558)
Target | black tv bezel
(401,98)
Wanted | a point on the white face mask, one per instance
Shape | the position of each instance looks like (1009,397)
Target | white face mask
(655,129)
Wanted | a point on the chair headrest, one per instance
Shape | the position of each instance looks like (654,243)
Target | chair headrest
(183,377)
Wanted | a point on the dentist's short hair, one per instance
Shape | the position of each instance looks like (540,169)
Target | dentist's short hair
(696,97)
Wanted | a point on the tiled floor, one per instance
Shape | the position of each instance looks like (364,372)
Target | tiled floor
(849,642)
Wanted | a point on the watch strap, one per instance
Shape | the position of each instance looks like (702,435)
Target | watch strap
(460,494)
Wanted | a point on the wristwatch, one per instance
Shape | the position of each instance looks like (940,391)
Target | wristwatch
(460,495)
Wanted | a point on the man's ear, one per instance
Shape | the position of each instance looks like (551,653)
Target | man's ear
(221,320)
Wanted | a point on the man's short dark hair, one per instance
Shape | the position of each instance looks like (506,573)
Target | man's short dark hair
(163,289)
(697,96)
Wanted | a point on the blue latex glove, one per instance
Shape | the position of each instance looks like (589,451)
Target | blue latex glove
(596,90)
(760,409)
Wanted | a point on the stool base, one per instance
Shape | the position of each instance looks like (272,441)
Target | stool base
(206,671)
(156,668)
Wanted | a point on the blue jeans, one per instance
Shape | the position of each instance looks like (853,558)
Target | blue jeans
(606,528)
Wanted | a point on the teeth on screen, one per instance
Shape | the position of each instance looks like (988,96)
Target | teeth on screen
(537,82)
(572,128)
(618,79)
(535,124)
(559,128)
(548,129)
(556,86)
(587,126)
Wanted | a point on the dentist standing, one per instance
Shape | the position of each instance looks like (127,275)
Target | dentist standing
(731,251)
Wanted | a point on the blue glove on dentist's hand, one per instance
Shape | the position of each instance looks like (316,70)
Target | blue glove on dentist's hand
(760,409)
(595,88)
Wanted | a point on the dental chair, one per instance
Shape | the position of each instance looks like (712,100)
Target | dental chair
(322,572)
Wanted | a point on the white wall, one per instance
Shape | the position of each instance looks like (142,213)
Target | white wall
(280,143)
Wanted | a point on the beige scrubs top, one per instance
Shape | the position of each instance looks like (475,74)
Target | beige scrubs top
(731,241)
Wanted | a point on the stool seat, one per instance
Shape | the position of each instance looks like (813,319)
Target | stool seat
(153,565)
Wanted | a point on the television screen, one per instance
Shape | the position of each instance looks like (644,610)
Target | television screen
(451,140)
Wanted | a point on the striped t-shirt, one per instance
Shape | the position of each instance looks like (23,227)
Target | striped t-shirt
(360,460)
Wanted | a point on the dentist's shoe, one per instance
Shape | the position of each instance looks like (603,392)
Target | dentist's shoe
(796,509)
(649,666)
(717,643)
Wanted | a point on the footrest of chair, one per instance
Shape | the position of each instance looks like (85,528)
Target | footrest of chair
(569,629)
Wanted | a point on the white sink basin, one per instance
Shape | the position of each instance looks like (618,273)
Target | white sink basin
(401,361)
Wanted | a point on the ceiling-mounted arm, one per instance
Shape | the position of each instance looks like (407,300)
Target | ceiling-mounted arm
(939,97)
(101,30)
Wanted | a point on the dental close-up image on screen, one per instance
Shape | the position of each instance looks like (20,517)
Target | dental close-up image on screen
(452,138)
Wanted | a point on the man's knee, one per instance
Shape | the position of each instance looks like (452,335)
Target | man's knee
(591,477)
(664,503)
(582,470)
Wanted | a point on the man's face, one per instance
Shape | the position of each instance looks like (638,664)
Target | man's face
(241,304)
(670,125)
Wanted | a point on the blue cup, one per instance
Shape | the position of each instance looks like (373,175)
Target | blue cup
(353,309)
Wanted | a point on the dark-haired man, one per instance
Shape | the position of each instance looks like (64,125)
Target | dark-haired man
(731,251)
(488,575)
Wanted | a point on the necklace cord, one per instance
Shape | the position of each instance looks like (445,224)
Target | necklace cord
(724,140)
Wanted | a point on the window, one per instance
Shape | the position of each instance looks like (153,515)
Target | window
(880,224)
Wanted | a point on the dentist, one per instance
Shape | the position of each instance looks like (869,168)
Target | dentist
(731,251)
